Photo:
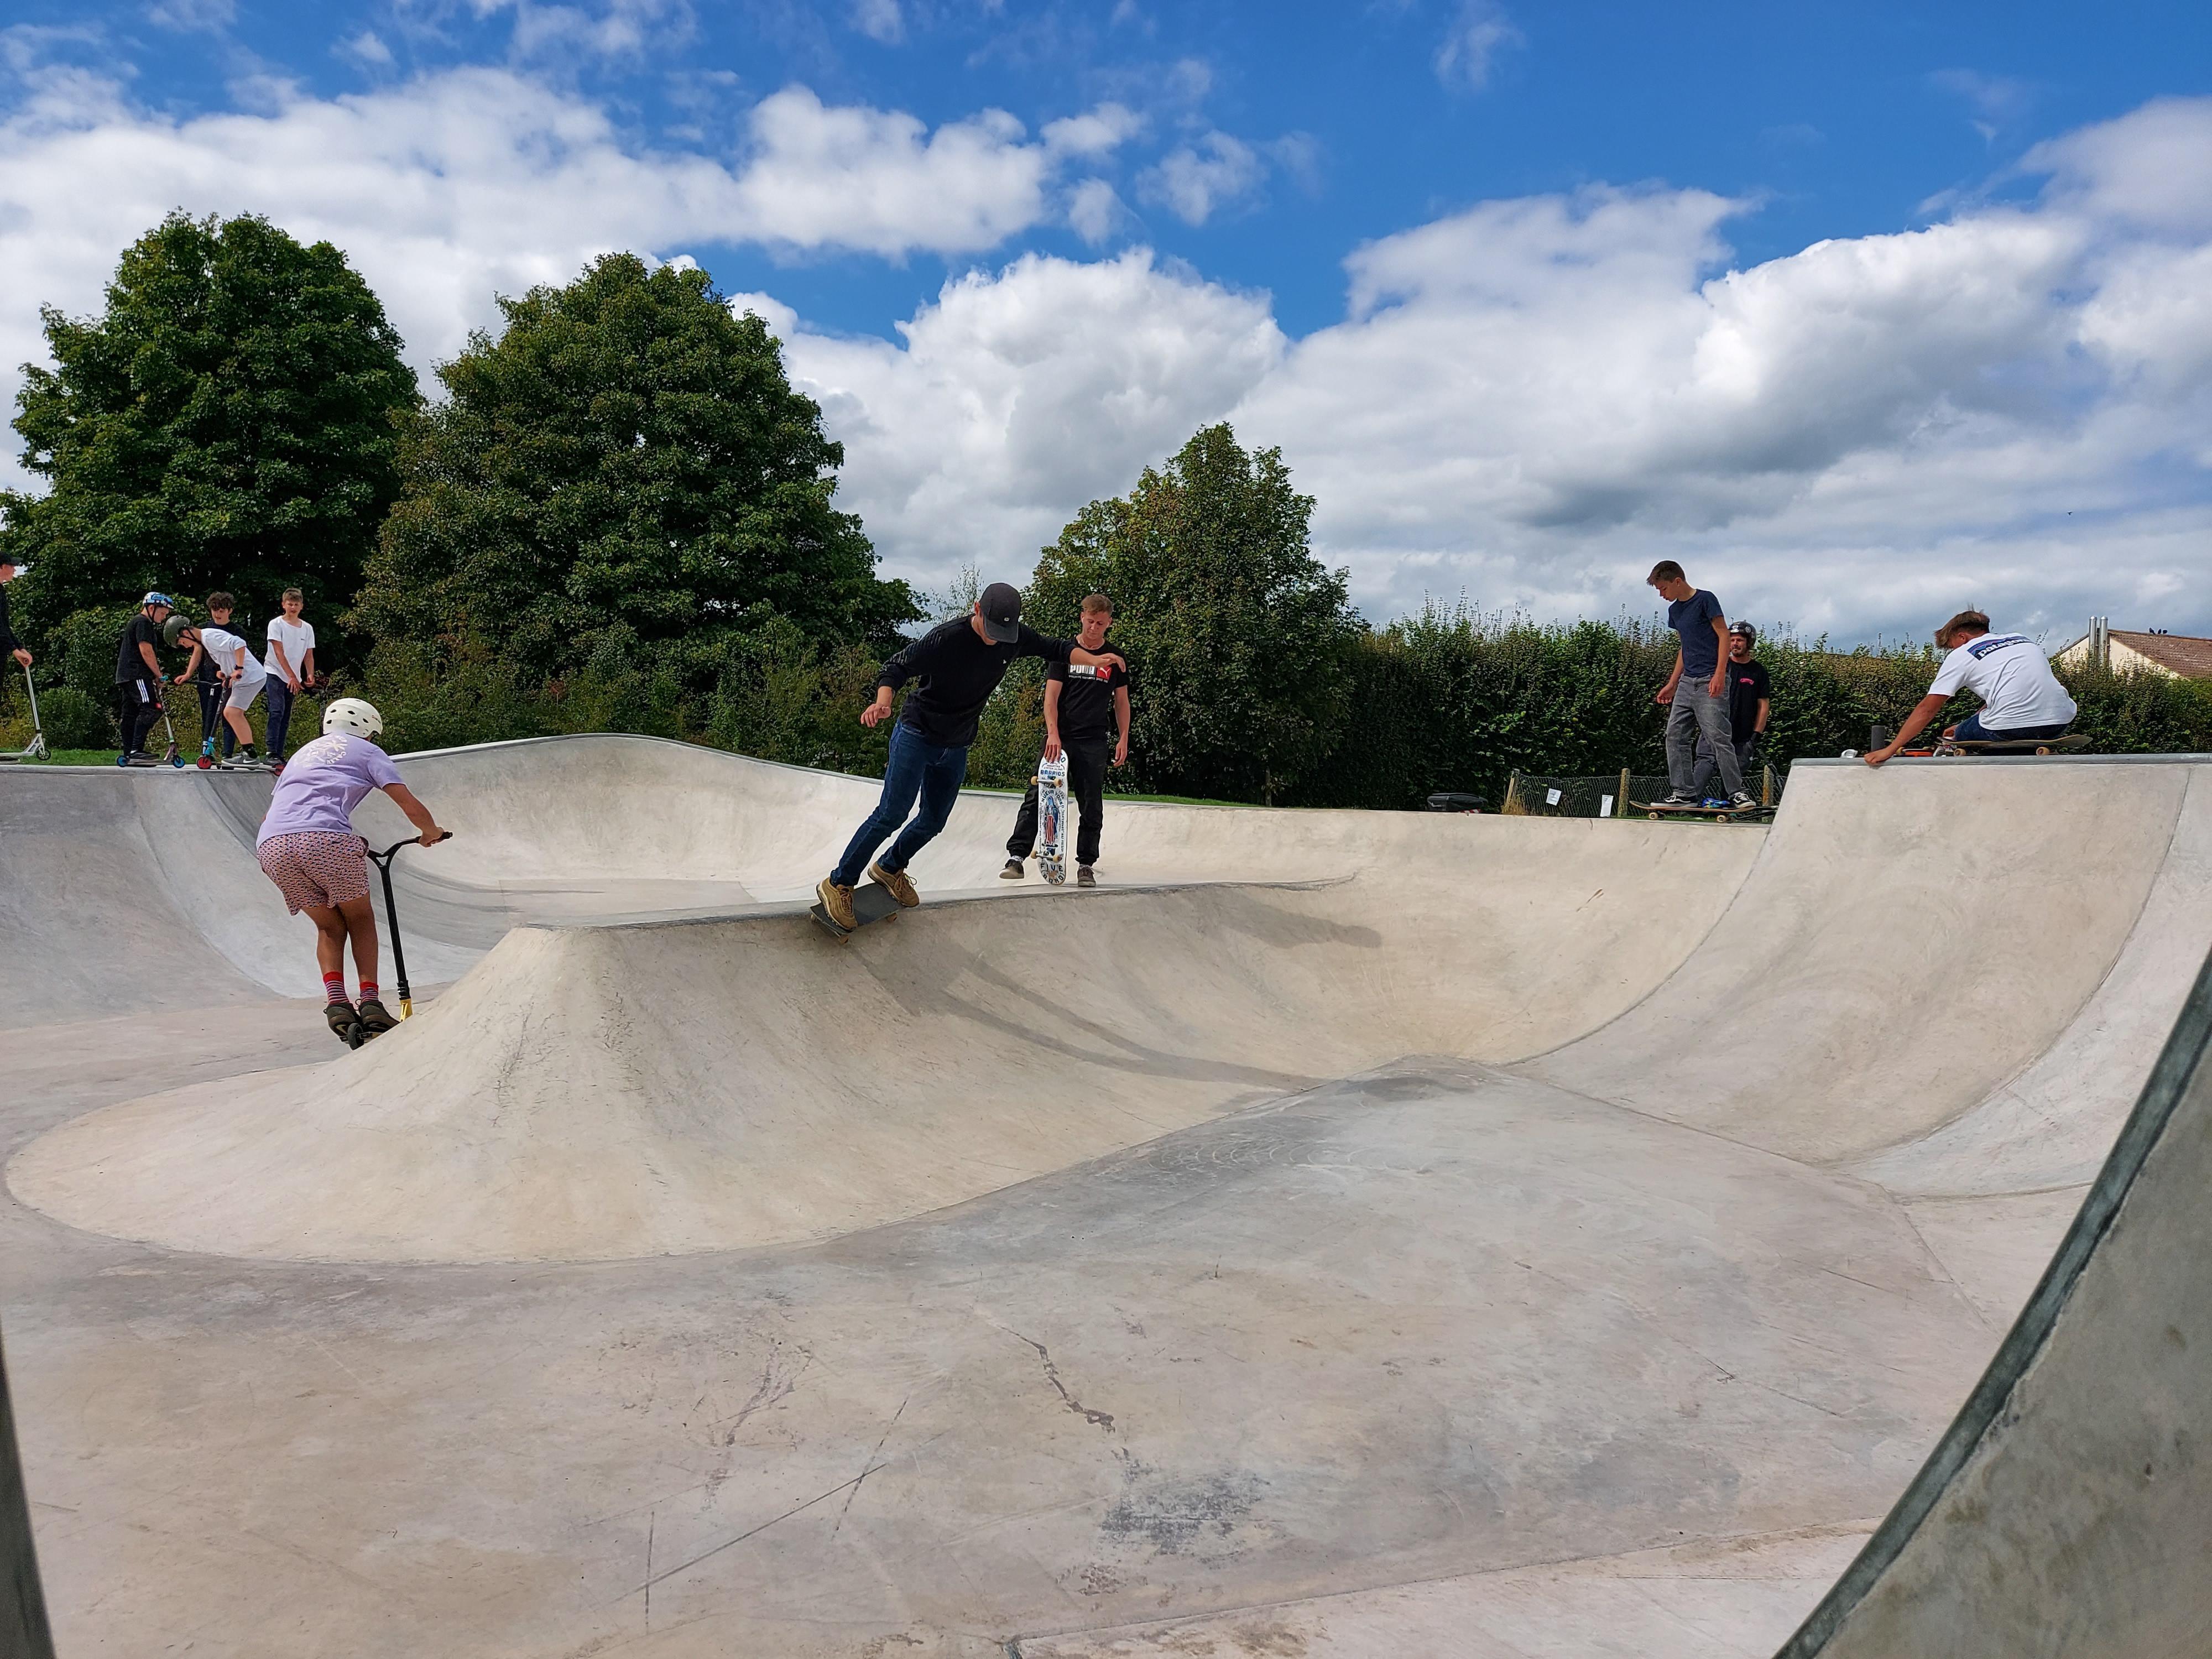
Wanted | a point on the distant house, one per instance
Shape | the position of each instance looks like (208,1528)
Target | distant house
(2181,655)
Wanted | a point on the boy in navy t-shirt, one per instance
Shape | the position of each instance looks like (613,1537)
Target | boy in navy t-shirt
(1696,692)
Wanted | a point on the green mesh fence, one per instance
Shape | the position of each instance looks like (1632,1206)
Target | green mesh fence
(1612,796)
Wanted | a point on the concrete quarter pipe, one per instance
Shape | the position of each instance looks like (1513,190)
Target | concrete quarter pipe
(1349,1233)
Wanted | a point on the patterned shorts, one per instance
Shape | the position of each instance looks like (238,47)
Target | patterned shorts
(315,867)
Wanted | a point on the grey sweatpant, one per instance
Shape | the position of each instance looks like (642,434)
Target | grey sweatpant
(1697,710)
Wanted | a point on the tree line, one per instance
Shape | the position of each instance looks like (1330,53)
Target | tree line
(620,516)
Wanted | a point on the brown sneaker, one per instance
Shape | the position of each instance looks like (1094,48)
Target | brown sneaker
(1084,877)
(895,883)
(1013,871)
(838,902)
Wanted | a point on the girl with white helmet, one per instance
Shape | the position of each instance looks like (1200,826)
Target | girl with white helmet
(307,847)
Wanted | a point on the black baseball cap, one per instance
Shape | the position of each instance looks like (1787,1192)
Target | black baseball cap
(1002,613)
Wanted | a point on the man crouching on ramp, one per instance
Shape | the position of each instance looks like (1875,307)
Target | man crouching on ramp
(954,668)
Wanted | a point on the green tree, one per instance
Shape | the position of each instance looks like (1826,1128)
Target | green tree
(1238,638)
(227,422)
(627,459)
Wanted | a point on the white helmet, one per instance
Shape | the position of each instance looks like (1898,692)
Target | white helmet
(352,715)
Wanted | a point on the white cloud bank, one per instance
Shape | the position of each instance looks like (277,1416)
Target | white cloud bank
(445,189)
(1532,401)
(1528,401)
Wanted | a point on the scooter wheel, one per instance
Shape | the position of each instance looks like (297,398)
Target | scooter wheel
(205,763)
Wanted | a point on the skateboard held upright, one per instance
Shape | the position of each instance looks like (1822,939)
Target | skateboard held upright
(1052,820)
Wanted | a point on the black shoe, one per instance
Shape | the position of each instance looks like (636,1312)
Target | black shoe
(1677,798)
(376,1017)
(345,1021)
(1742,800)
(1084,877)
(1013,872)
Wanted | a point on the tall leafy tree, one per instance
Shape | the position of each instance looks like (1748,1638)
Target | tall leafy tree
(1237,635)
(227,422)
(625,463)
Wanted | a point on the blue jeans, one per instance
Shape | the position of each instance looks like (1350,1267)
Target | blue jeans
(1971,730)
(280,698)
(918,766)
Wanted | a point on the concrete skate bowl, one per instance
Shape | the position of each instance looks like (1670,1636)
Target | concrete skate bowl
(1708,1168)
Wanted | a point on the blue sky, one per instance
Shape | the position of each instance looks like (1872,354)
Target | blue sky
(1529,295)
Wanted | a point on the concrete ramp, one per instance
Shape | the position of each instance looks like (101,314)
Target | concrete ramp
(2068,1509)
(601,1091)
(1350,1233)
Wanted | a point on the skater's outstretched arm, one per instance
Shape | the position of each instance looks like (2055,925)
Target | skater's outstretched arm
(417,814)
(1122,714)
(1915,723)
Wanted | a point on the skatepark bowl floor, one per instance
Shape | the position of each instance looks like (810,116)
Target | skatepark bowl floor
(1341,1234)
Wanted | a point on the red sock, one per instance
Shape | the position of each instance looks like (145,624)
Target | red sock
(334,986)
(368,990)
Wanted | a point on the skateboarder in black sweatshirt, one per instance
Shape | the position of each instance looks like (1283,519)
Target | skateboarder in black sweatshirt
(955,667)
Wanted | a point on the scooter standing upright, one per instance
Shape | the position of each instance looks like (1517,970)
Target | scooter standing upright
(38,750)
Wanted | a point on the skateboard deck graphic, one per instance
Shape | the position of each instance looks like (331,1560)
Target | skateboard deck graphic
(871,902)
(1052,820)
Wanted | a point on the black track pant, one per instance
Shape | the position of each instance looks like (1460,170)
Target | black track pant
(138,706)
(1086,782)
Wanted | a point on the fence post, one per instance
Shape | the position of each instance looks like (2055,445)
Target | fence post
(1766,784)
(1620,800)
(1512,807)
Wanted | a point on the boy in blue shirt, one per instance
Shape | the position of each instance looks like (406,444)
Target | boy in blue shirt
(1696,693)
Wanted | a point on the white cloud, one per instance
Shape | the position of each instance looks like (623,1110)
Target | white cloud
(880,20)
(1192,181)
(1094,211)
(1478,32)
(445,189)
(185,15)
(1995,100)
(1532,401)
(1095,132)
(610,29)
(366,49)
(1017,398)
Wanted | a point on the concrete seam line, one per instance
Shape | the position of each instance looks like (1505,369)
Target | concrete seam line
(2169,1081)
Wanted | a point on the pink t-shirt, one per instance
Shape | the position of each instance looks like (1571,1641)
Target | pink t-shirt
(324,782)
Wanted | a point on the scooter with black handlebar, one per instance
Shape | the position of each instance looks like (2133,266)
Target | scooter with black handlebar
(383,862)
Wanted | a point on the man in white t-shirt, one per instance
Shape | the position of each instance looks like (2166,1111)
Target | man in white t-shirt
(291,665)
(2023,701)
(235,666)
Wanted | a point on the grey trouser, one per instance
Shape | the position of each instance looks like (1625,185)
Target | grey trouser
(1696,711)
(1706,765)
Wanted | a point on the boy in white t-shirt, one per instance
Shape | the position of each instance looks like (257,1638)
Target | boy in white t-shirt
(291,665)
(2023,701)
(235,666)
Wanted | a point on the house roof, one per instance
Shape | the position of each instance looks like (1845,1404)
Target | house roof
(2178,653)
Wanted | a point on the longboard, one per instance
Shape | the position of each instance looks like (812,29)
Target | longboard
(1052,820)
(871,902)
(1659,809)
